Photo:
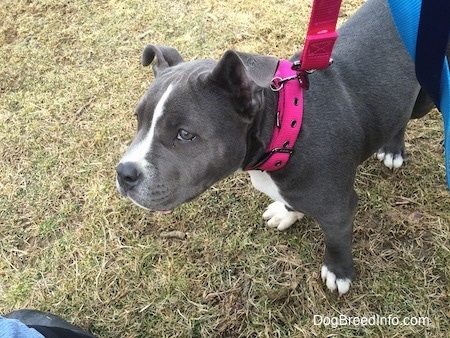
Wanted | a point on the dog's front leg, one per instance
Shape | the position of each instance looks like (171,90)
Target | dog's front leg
(279,216)
(337,271)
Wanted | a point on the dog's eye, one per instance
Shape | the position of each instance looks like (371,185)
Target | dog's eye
(184,135)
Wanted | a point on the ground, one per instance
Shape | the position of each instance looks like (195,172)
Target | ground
(69,81)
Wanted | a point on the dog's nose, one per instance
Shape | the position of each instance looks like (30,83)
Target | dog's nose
(128,175)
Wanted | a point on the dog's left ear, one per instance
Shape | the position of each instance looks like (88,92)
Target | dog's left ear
(231,74)
(165,57)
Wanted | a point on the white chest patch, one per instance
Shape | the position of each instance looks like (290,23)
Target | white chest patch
(262,181)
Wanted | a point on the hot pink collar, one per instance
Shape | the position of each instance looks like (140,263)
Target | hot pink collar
(289,116)
(290,79)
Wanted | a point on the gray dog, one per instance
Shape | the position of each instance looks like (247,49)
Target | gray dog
(202,121)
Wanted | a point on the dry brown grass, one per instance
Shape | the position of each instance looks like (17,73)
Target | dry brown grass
(70,78)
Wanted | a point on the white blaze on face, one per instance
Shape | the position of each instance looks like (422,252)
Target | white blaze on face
(138,152)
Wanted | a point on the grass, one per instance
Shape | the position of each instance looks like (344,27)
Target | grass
(70,79)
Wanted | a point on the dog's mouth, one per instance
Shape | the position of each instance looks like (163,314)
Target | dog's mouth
(162,211)
(129,195)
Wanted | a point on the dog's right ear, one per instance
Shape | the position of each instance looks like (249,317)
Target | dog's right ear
(165,57)
(231,74)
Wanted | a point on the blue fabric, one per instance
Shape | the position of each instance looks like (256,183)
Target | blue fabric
(406,15)
(430,52)
(12,328)
(445,109)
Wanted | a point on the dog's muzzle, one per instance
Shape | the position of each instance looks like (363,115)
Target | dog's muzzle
(128,176)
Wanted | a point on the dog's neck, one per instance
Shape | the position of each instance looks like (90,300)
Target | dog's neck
(260,130)
(273,132)
(260,70)
(288,83)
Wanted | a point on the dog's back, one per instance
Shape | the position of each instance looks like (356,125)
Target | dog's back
(371,86)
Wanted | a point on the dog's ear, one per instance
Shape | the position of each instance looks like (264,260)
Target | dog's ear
(165,57)
(231,74)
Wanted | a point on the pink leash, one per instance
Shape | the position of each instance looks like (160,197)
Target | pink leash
(321,35)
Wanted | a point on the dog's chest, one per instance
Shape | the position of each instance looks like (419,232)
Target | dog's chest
(262,181)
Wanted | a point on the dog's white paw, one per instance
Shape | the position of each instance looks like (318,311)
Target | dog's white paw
(277,216)
(390,160)
(329,278)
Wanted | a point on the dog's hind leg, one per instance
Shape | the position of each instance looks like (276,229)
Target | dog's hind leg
(393,152)
(422,106)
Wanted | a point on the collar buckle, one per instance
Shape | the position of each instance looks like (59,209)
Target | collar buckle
(268,155)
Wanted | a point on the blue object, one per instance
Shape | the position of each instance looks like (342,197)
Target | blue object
(12,328)
(424,27)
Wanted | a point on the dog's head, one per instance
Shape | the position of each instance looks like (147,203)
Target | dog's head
(194,122)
